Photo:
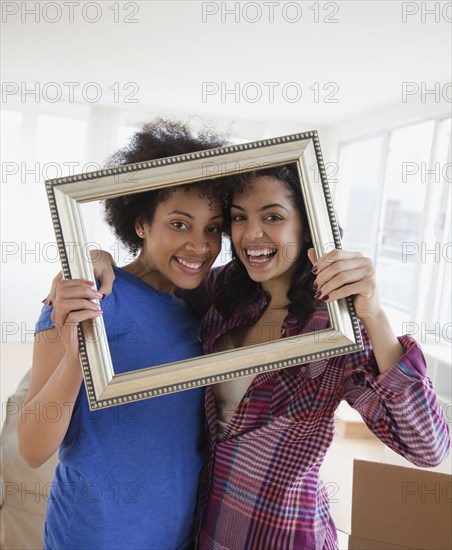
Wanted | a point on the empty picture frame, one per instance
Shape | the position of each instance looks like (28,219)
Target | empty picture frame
(104,387)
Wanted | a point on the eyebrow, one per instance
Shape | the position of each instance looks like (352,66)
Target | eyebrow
(263,208)
(181,213)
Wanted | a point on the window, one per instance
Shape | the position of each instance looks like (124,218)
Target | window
(438,235)
(361,163)
(401,215)
(394,201)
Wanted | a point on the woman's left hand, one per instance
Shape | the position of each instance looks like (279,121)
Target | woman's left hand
(340,274)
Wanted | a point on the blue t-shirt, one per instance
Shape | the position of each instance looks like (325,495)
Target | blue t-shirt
(128,475)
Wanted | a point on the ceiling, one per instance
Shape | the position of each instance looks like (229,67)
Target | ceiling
(282,65)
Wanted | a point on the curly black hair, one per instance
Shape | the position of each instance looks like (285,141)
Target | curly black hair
(157,139)
(236,288)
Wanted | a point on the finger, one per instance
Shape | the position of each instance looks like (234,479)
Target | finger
(345,278)
(68,283)
(106,281)
(80,290)
(75,304)
(333,256)
(58,282)
(74,295)
(103,263)
(51,296)
(312,256)
(64,308)
(76,317)
(363,287)
(80,316)
(345,271)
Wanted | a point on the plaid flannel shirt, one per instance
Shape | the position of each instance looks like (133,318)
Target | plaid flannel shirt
(261,489)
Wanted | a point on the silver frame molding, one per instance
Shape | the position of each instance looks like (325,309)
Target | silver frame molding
(104,387)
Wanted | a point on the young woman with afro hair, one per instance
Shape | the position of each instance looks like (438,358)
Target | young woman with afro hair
(128,475)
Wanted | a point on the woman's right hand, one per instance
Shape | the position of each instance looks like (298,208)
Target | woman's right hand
(73,304)
(103,263)
(56,375)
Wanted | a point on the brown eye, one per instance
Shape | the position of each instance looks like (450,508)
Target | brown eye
(179,225)
(215,229)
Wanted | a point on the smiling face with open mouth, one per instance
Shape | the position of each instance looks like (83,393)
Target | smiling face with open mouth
(267,232)
(181,243)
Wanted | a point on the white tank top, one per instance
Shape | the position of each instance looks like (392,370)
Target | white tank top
(228,394)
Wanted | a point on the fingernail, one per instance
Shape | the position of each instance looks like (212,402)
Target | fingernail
(314,269)
(44,301)
(103,295)
(315,286)
(317,294)
(324,298)
(50,303)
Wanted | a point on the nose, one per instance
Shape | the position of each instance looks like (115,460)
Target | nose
(198,246)
(252,230)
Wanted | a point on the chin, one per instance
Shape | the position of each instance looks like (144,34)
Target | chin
(190,283)
(260,279)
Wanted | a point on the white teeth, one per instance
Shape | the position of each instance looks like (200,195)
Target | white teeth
(261,255)
(190,265)
(261,252)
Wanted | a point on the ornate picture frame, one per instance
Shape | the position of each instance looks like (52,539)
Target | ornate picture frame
(104,387)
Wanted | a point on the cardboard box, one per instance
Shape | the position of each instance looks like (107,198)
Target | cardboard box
(357,543)
(394,507)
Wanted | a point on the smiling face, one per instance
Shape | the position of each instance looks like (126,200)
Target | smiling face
(182,241)
(267,232)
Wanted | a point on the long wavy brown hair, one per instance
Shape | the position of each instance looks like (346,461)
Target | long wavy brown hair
(234,287)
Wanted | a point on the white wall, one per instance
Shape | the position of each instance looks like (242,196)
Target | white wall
(28,254)
(169,53)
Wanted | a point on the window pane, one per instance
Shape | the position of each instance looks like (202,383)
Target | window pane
(358,193)
(402,213)
(444,301)
(435,251)
(443,227)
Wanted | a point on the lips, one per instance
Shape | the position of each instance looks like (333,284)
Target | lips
(191,265)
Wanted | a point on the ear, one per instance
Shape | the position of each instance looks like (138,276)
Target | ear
(312,256)
(139,227)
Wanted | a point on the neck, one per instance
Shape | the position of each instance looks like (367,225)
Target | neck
(278,294)
(142,269)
